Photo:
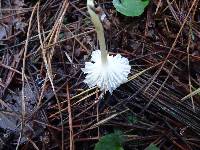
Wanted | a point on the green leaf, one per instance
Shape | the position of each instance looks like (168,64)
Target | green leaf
(130,7)
(111,141)
(152,147)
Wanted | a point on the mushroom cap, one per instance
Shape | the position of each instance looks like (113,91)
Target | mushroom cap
(107,76)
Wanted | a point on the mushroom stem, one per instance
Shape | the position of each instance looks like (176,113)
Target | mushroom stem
(99,29)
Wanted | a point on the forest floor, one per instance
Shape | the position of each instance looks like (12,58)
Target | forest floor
(44,102)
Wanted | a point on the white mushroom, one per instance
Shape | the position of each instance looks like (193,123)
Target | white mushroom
(104,71)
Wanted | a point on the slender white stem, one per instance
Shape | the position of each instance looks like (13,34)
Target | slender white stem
(99,29)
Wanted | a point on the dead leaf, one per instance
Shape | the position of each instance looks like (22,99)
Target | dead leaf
(2,32)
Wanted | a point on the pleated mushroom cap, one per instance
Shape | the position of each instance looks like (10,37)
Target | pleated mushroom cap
(107,76)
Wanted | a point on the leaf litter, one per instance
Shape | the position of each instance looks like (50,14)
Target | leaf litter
(154,97)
